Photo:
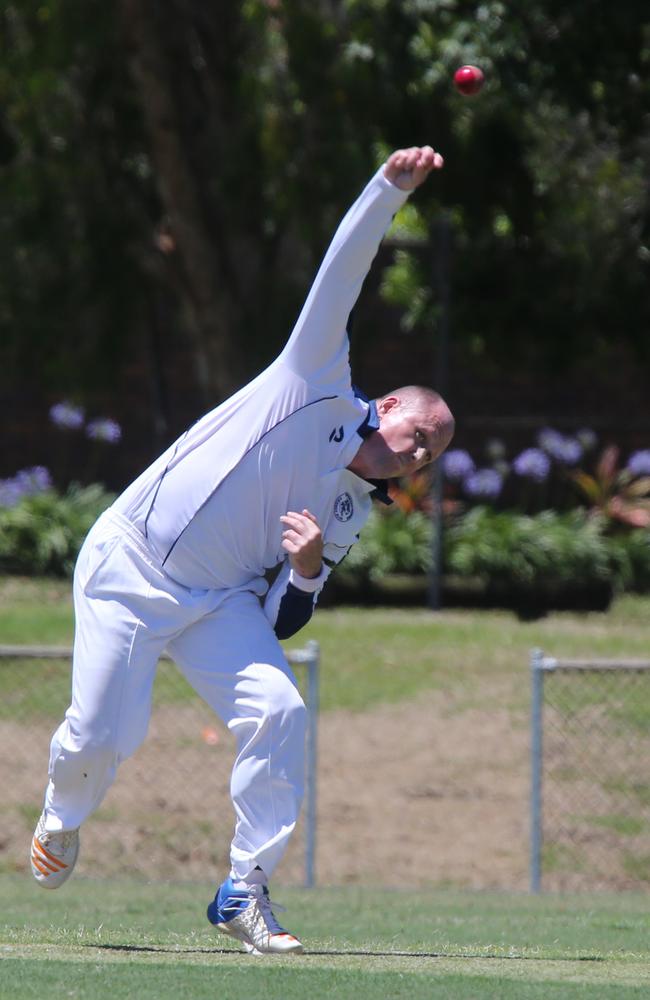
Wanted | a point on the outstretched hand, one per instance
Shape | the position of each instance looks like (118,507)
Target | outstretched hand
(303,540)
(408,168)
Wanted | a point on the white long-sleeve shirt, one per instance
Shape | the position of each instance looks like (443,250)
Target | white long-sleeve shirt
(210,506)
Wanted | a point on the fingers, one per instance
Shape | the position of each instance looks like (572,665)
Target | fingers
(303,541)
(296,520)
(422,157)
(301,530)
(408,168)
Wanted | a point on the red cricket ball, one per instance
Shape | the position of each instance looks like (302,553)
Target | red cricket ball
(468,80)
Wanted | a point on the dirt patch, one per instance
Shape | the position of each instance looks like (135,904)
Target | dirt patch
(423,793)
(426,793)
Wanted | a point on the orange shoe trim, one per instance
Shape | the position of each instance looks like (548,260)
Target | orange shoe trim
(50,857)
(50,868)
(40,867)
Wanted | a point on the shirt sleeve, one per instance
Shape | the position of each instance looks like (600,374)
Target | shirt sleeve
(318,346)
(291,600)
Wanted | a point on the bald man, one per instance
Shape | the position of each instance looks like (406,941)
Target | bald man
(282,474)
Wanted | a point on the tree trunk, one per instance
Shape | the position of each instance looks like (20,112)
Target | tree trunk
(210,307)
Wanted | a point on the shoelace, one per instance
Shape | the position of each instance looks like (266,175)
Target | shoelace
(58,840)
(265,906)
(260,895)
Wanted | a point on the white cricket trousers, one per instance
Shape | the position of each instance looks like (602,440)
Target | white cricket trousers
(127,612)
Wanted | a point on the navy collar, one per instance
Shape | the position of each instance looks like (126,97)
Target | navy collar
(364,430)
(371,420)
(380,491)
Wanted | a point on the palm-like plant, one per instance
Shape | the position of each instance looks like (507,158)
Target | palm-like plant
(615,492)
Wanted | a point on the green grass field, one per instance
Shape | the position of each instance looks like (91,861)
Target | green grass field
(121,938)
(378,655)
(136,940)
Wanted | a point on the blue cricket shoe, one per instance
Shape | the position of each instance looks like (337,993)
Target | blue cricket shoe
(247,915)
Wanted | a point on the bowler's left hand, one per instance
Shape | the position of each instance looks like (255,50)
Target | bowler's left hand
(303,540)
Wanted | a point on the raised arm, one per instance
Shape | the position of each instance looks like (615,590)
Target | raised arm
(318,346)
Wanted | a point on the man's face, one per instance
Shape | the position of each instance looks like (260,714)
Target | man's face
(407,439)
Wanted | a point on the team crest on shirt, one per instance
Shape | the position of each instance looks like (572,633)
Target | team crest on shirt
(343,507)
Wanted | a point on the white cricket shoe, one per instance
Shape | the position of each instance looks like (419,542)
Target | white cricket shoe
(53,855)
(247,916)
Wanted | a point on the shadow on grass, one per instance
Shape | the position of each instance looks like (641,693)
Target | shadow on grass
(347,952)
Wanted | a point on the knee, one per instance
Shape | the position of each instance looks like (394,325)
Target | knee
(277,708)
(92,750)
(100,753)
(285,710)
(73,762)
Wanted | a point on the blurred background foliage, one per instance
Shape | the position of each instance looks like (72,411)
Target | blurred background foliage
(172,170)
(562,524)
(171,173)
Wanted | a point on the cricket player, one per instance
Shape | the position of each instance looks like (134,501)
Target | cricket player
(281,474)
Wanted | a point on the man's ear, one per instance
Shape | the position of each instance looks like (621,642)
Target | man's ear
(386,404)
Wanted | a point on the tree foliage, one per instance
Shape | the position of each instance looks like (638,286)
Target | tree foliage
(71,154)
(197,156)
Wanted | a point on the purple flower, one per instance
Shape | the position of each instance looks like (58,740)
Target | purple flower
(457,464)
(549,440)
(11,492)
(483,483)
(67,416)
(34,480)
(566,450)
(639,463)
(104,429)
(25,483)
(571,451)
(533,463)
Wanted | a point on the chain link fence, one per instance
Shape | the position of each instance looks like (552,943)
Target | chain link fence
(590,785)
(168,815)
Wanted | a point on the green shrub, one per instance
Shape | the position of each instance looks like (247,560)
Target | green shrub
(391,542)
(503,549)
(519,549)
(42,534)
(631,553)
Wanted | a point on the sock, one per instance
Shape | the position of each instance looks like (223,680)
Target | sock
(256,877)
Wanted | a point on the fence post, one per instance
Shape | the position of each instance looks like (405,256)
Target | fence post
(536,702)
(309,655)
(571,726)
(313,663)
